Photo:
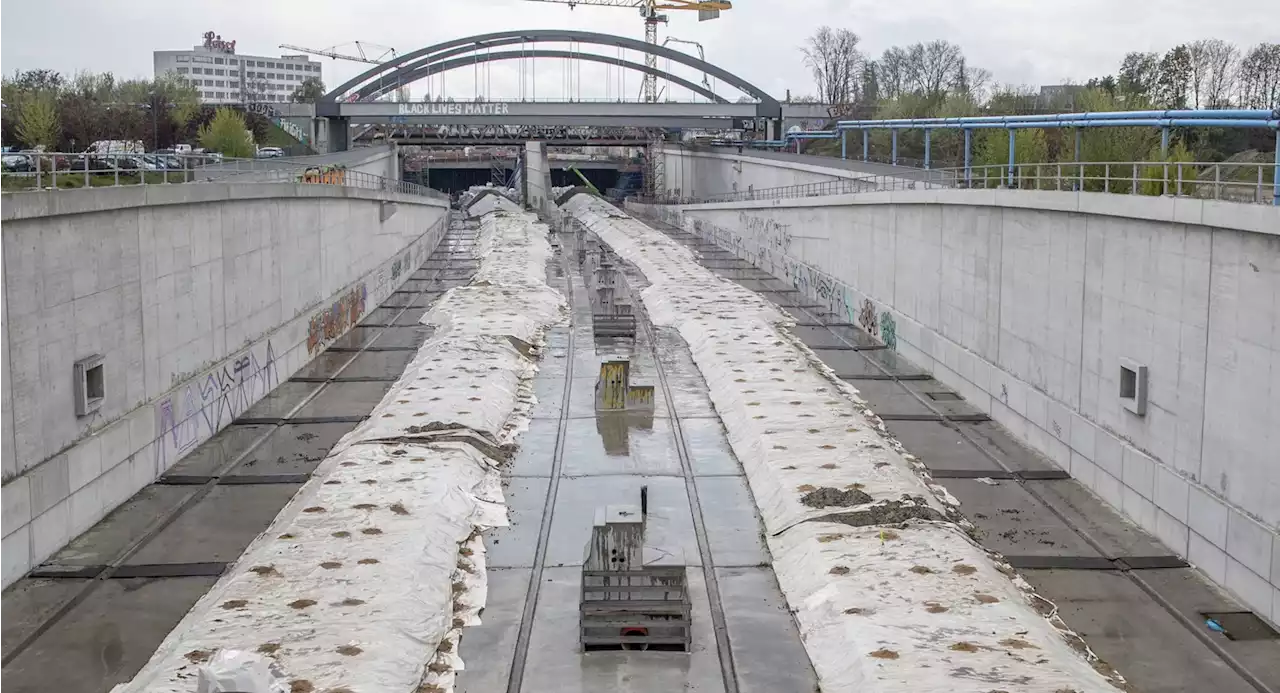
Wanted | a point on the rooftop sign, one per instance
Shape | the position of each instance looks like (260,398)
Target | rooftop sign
(214,42)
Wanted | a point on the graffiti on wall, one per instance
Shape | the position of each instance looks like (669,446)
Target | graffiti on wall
(194,413)
(331,322)
(764,244)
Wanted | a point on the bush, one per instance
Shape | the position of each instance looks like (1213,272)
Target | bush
(226,134)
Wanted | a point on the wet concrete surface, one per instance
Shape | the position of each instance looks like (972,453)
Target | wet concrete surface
(607,457)
(1146,622)
(91,626)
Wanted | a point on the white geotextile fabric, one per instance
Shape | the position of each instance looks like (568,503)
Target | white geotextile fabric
(363,560)
(797,429)
(919,608)
(365,580)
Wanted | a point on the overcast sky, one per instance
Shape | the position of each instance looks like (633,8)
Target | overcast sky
(1020,41)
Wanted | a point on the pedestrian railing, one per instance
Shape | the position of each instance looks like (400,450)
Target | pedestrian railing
(28,171)
(1252,183)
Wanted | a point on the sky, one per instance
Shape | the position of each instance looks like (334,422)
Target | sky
(1029,42)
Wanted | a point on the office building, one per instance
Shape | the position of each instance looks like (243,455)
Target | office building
(224,77)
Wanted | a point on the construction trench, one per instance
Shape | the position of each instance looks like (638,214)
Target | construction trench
(585,453)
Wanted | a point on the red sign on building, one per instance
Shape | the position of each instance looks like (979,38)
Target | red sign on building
(213,41)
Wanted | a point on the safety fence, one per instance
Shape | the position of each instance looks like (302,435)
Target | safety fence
(30,171)
(1251,183)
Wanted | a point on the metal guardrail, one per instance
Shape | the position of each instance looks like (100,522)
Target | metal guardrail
(1235,182)
(32,171)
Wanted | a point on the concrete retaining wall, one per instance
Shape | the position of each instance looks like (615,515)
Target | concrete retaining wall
(200,298)
(1026,303)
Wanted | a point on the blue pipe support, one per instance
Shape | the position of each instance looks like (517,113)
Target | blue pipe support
(844,145)
(1011,156)
(968,156)
(865,140)
(1275,178)
(926,148)
(1164,141)
(1077,152)
(894,160)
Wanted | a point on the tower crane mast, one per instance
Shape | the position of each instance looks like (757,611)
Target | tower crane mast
(650,10)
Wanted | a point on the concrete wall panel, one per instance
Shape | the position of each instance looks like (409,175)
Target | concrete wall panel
(198,300)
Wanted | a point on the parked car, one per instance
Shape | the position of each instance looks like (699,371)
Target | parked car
(270,152)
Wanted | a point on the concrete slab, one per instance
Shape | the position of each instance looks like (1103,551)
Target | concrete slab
(550,394)
(281,401)
(411,316)
(620,443)
(709,451)
(398,300)
(690,397)
(123,527)
(1134,634)
(380,316)
(1013,522)
(106,639)
(1000,444)
(324,366)
(401,338)
(767,651)
(1089,515)
(28,603)
(556,664)
(425,299)
(937,444)
(847,364)
(734,531)
(420,285)
(218,527)
(292,449)
(1191,594)
(345,399)
(890,398)
(893,363)
(356,337)
(516,545)
(489,648)
(220,451)
(824,338)
(377,364)
(669,538)
(537,448)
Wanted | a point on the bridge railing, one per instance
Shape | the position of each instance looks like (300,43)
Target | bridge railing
(1247,182)
(65,171)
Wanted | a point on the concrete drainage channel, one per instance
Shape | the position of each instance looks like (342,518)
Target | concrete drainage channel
(1138,607)
(576,460)
(94,613)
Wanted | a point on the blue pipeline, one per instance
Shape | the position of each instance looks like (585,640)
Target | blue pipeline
(1010,123)
(1215,114)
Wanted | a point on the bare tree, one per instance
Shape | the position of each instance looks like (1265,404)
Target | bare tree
(1259,77)
(891,73)
(836,62)
(1223,61)
(933,67)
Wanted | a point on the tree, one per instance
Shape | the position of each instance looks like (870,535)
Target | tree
(310,91)
(891,72)
(1174,84)
(48,81)
(1222,62)
(834,59)
(226,134)
(1259,77)
(38,124)
(1139,74)
(933,67)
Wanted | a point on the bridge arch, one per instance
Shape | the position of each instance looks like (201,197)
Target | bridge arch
(425,70)
(397,71)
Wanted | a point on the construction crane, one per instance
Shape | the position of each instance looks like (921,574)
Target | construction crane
(332,52)
(649,10)
(701,55)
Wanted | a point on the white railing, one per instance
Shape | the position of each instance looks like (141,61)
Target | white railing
(1251,183)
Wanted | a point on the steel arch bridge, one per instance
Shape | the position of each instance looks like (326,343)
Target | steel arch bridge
(472,50)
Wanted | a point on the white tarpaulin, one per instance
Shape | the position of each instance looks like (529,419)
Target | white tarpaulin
(365,580)
(826,477)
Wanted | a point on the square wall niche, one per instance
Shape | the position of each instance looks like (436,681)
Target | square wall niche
(1133,387)
(90,384)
